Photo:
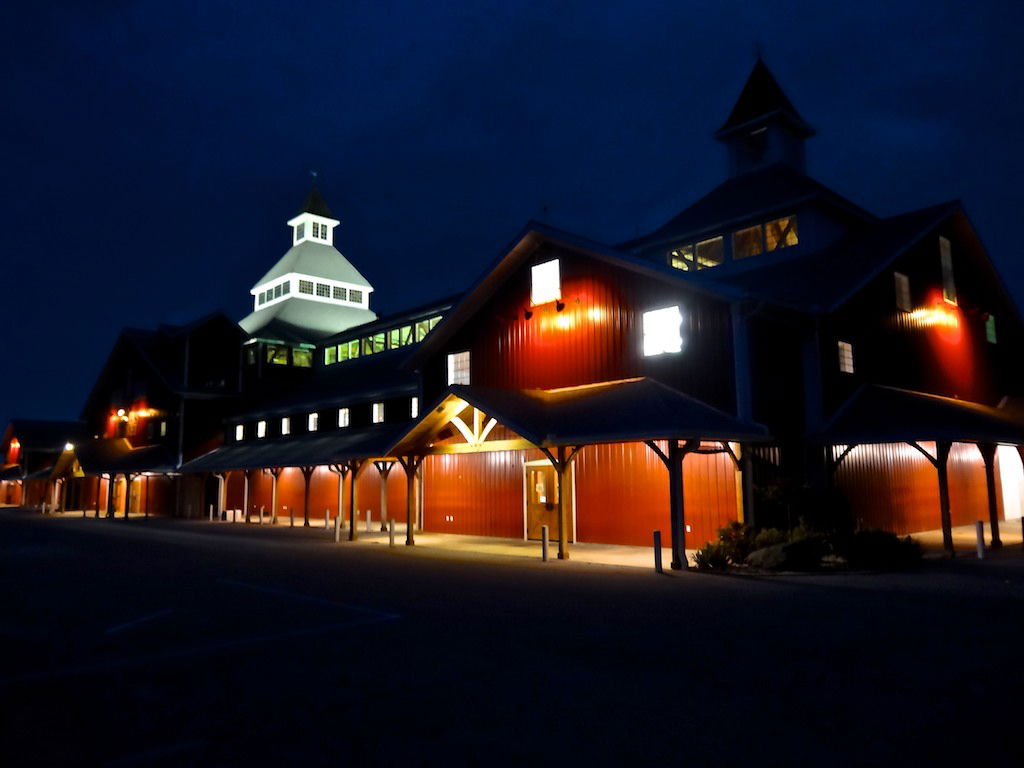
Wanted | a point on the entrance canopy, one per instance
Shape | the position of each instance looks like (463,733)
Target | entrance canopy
(877,414)
(631,410)
(114,457)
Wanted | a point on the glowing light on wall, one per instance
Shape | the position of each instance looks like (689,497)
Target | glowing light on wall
(935,317)
(545,283)
(662,331)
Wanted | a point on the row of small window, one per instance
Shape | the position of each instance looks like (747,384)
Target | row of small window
(325,291)
(282,354)
(320,231)
(747,242)
(378,342)
(313,420)
(276,292)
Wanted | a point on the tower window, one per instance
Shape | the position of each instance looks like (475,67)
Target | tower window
(710,253)
(948,283)
(277,290)
(845,357)
(545,282)
(286,287)
(324,290)
(378,413)
(286,425)
(316,229)
(355,296)
(458,368)
(263,297)
(662,331)
(312,422)
(261,429)
(903,301)
(780,233)
(343,417)
(306,286)
(239,431)
(339,293)
(746,242)
(300,231)
(414,407)
(990,329)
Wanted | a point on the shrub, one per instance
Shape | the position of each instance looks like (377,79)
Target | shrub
(802,555)
(768,537)
(736,540)
(712,557)
(875,550)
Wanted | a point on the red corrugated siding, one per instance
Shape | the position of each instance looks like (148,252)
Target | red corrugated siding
(482,492)
(968,495)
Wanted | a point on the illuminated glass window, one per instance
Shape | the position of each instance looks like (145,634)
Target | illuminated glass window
(948,284)
(277,355)
(312,422)
(379,342)
(343,417)
(780,233)
(367,345)
(458,368)
(378,413)
(353,348)
(163,429)
(286,425)
(239,431)
(394,338)
(434,321)
(710,253)
(902,292)
(845,357)
(662,331)
(324,290)
(261,429)
(340,293)
(355,296)
(681,257)
(422,329)
(990,329)
(746,242)
(414,407)
(330,355)
(302,358)
(405,335)
(306,286)
(545,282)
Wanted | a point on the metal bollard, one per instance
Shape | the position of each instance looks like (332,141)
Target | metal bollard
(368,529)
(327,519)
(979,528)
(211,513)
(657,552)
(391,533)
(544,543)
(261,514)
(232,515)
(337,528)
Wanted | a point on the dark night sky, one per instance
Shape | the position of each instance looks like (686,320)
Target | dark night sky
(153,151)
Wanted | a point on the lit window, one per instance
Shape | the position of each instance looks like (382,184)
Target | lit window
(948,284)
(306,286)
(340,293)
(343,417)
(367,345)
(545,282)
(286,426)
(681,257)
(990,329)
(300,232)
(277,355)
(380,342)
(312,422)
(710,253)
(378,413)
(324,290)
(356,297)
(239,431)
(845,357)
(780,233)
(746,242)
(662,331)
(163,429)
(422,329)
(458,368)
(902,292)
(302,358)
(331,355)
(434,321)
(405,335)
(394,338)
(414,407)
(261,429)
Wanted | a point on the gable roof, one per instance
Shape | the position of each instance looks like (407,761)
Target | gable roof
(762,97)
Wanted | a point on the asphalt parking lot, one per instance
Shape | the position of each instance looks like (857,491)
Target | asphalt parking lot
(157,642)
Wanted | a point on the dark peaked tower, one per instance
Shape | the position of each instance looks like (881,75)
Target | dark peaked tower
(764,127)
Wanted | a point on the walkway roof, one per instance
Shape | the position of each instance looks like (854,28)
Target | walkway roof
(116,457)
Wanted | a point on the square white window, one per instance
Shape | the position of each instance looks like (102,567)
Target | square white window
(343,417)
(286,426)
(378,413)
(902,292)
(239,431)
(261,429)
(312,422)
(662,331)
(545,283)
(414,407)
(845,357)
(458,368)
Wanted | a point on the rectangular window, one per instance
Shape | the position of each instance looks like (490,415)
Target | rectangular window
(367,345)
(902,292)
(286,426)
(263,297)
(300,232)
(710,253)
(422,329)
(746,242)
(343,352)
(379,342)
(545,282)
(163,429)
(277,355)
(990,329)
(302,358)
(780,233)
(340,293)
(662,331)
(948,284)
(458,368)
(312,422)
(343,417)
(286,287)
(239,431)
(356,297)
(306,286)
(323,290)
(394,338)
(330,355)
(405,335)
(414,407)
(261,429)
(316,229)
(681,257)
(277,290)
(378,413)
(845,357)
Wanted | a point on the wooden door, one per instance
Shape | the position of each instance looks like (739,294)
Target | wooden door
(541,501)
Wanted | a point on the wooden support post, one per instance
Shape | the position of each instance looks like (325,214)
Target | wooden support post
(384,468)
(988,453)
(942,466)
(222,494)
(561,460)
(307,476)
(246,478)
(146,508)
(128,479)
(410,464)
(110,496)
(673,461)
(353,470)
(275,473)
(99,493)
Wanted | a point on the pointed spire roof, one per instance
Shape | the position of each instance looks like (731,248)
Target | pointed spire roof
(763,97)
(314,203)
